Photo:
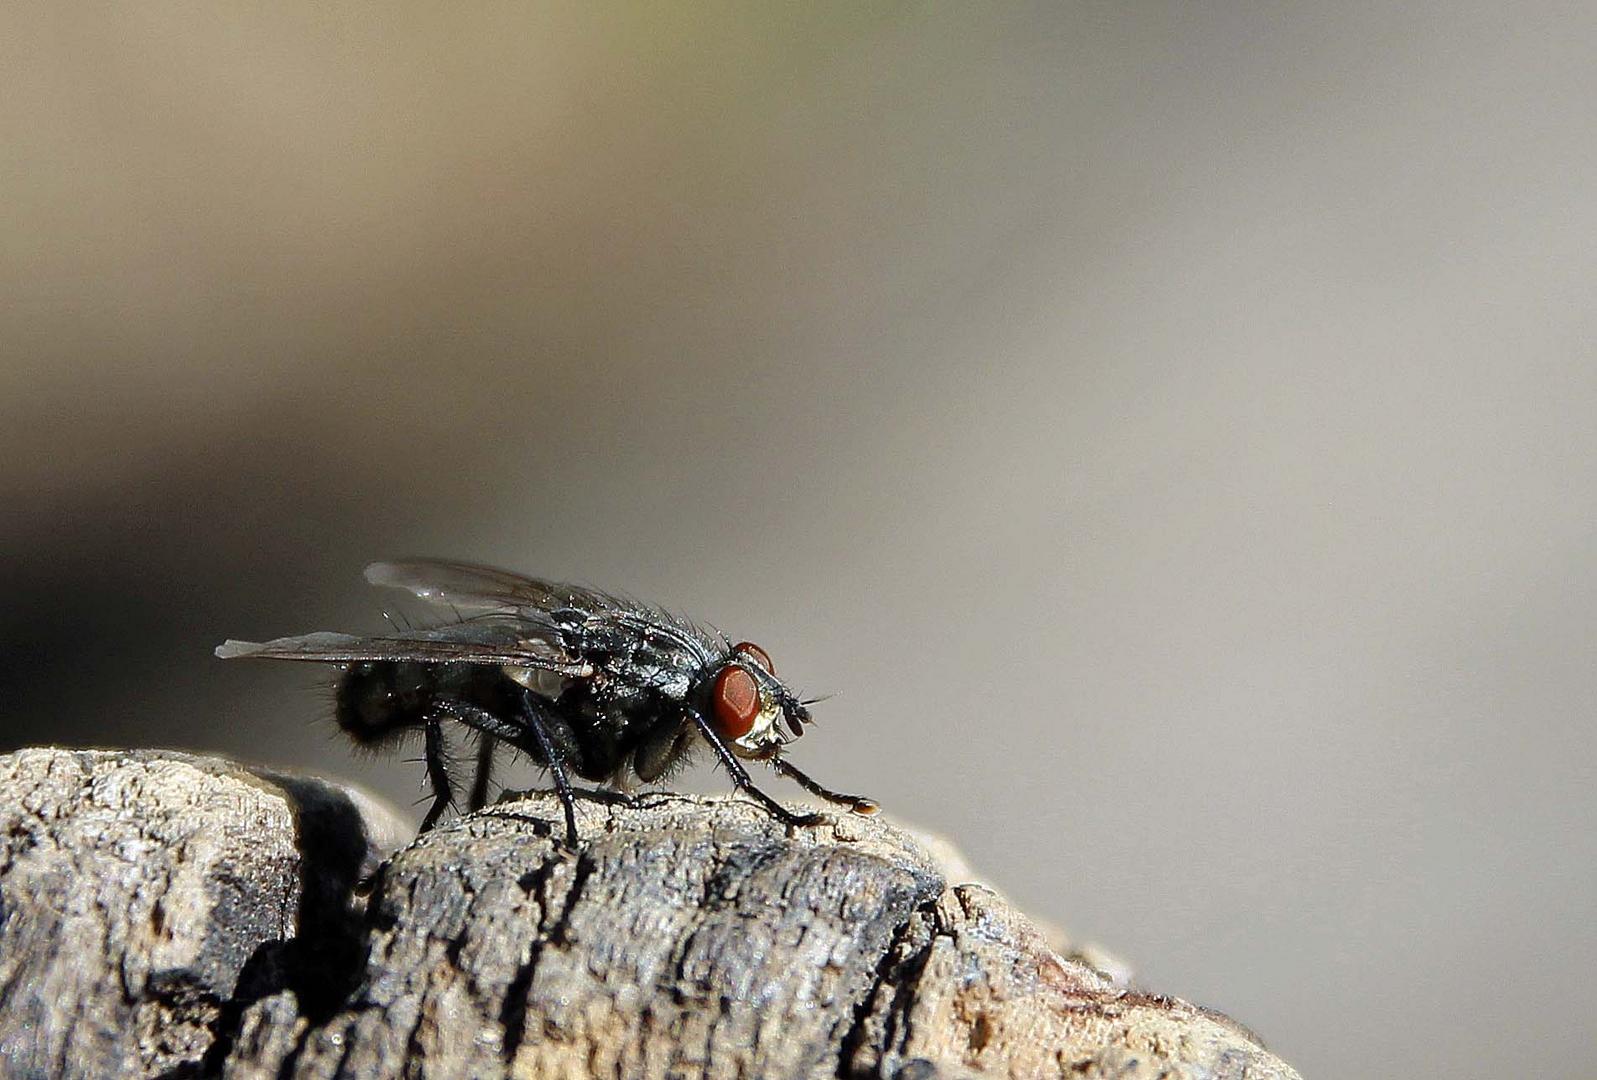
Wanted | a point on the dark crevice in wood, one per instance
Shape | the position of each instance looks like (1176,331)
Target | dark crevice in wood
(513,1014)
(901,969)
(322,961)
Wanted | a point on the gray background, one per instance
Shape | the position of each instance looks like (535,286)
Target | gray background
(1170,427)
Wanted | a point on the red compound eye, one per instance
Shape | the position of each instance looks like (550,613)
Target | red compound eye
(736,702)
(756,654)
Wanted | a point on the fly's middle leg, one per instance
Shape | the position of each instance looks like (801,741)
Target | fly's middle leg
(557,766)
(486,745)
(529,735)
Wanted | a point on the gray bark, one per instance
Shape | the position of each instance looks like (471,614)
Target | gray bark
(162,914)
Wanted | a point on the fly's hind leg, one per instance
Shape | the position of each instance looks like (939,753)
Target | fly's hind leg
(437,770)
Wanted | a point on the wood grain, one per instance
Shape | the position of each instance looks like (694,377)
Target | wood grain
(168,915)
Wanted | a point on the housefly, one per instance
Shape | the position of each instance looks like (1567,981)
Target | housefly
(579,680)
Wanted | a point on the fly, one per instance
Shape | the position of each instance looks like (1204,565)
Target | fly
(580,681)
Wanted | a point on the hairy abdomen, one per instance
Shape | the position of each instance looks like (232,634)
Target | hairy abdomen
(378,701)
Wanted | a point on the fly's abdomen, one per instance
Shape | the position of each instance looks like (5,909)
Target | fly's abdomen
(381,700)
(378,700)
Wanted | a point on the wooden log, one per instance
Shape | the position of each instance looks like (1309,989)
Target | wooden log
(167,915)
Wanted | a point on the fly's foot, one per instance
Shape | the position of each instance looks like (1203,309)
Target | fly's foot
(857,804)
(801,821)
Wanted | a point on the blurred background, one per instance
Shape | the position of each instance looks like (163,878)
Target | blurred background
(1172,429)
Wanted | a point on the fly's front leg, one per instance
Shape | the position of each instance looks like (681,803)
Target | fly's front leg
(859,804)
(742,781)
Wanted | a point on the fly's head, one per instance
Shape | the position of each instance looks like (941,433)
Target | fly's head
(750,707)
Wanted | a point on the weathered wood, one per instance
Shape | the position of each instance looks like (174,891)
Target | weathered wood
(169,914)
(144,894)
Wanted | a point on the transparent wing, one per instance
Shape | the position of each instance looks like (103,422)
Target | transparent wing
(467,642)
(483,588)
(574,617)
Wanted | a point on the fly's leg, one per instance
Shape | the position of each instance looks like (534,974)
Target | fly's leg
(485,767)
(557,766)
(859,804)
(741,780)
(530,737)
(437,771)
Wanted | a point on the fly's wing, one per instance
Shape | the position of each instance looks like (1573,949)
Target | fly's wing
(629,642)
(481,642)
(483,588)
